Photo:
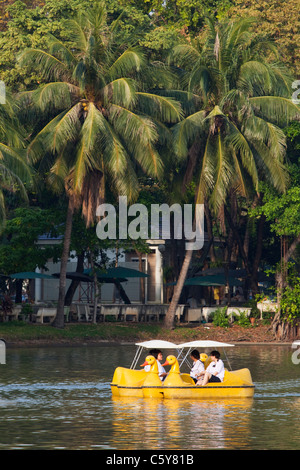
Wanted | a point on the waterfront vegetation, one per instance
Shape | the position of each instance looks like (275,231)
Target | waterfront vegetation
(19,333)
(161,102)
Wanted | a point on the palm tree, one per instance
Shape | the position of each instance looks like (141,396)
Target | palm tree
(15,173)
(236,98)
(102,125)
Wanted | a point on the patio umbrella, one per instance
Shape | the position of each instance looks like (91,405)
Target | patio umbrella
(217,280)
(117,273)
(75,276)
(239,273)
(83,277)
(30,275)
(209,281)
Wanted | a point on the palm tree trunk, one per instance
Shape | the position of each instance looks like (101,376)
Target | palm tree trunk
(59,319)
(170,315)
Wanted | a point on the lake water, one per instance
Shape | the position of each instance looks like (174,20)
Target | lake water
(60,398)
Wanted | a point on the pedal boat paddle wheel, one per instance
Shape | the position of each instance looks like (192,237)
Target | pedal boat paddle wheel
(132,382)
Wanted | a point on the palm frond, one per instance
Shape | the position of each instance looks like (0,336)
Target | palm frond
(242,148)
(184,55)
(130,61)
(121,91)
(160,107)
(54,95)
(48,65)
(87,155)
(276,109)
(140,135)
(186,131)
(207,171)
(52,138)
(223,173)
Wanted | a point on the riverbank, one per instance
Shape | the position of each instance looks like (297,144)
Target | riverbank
(19,334)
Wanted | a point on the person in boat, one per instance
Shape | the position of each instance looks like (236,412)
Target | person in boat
(158,356)
(214,372)
(198,366)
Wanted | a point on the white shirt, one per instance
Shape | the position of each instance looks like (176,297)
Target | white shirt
(161,369)
(217,369)
(197,368)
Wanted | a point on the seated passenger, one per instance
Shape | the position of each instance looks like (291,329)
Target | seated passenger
(214,372)
(198,366)
(158,356)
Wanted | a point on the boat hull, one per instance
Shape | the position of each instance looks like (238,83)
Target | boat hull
(131,383)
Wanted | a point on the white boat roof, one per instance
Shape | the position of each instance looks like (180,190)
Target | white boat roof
(204,344)
(158,344)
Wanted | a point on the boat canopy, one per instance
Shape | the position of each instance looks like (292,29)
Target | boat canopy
(157,343)
(152,344)
(199,344)
(160,344)
(204,344)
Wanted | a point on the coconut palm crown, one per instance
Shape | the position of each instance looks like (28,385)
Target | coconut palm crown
(100,121)
(237,95)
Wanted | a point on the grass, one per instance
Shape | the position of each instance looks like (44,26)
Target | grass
(21,331)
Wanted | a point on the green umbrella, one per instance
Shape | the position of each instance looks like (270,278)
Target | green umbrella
(116,273)
(30,275)
(84,277)
(217,280)
(211,280)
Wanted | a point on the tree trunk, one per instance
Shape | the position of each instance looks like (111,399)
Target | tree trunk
(169,319)
(277,326)
(59,319)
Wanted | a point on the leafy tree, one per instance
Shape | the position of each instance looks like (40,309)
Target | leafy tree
(278,20)
(15,173)
(98,118)
(235,100)
(19,250)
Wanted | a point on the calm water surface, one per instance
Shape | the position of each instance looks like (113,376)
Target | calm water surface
(60,398)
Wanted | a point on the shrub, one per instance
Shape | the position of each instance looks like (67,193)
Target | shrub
(220,318)
(243,319)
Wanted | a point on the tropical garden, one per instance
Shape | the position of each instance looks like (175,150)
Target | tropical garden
(179,101)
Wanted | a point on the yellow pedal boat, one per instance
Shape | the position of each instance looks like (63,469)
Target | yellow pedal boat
(139,383)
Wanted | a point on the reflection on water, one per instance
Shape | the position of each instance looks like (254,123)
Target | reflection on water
(60,398)
(195,425)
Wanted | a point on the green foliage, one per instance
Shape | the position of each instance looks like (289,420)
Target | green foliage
(27,309)
(220,318)
(235,101)
(243,319)
(290,298)
(18,249)
(281,210)
(101,118)
(277,19)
